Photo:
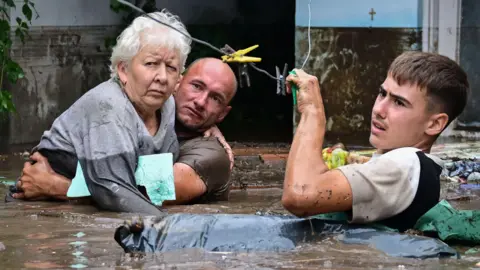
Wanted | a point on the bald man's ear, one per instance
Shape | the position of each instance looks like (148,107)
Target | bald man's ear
(177,84)
(224,113)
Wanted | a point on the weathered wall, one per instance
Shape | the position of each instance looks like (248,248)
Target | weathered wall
(60,64)
(351,63)
(351,52)
(65,57)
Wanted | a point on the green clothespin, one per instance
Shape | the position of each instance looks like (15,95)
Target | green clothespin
(294,89)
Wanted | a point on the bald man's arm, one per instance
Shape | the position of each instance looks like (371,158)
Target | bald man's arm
(188,185)
(202,172)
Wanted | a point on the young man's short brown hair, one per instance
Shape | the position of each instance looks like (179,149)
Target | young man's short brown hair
(445,81)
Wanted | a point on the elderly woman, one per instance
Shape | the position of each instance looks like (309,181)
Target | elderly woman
(130,115)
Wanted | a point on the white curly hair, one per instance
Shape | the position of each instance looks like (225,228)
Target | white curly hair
(144,31)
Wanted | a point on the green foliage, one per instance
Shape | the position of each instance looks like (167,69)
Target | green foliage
(9,68)
(128,16)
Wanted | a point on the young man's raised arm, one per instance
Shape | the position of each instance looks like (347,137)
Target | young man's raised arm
(309,187)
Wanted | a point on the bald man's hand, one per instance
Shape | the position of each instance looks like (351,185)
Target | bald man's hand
(214,131)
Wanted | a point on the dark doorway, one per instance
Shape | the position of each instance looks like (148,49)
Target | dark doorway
(470,61)
(258,114)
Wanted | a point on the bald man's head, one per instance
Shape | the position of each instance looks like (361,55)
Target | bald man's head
(223,69)
(204,93)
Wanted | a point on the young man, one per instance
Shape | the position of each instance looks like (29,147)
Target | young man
(202,171)
(421,95)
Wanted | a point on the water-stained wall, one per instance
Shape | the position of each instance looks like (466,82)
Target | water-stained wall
(351,63)
(351,56)
(60,65)
(65,56)
(62,58)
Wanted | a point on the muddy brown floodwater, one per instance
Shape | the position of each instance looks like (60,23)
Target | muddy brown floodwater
(45,235)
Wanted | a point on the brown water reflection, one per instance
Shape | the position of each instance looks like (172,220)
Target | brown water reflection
(45,235)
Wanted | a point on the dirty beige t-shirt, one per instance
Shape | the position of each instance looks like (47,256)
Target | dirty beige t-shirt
(384,186)
(210,161)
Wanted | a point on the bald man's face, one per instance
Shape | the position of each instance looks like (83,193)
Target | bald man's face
(203,95)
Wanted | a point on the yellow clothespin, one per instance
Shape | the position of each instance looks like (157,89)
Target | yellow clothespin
(239,56)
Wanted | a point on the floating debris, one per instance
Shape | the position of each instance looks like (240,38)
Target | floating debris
(78,266)
(2,247)
(7,182)
(78,243)
(462,171)
(25,154)
(80,234)
(460,197)
(472,251)
(475,176)
(470,186)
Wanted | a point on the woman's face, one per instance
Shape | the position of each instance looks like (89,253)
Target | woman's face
(151,77)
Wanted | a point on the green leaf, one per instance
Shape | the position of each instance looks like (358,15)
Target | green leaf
(118,7)
(24,25)
(6,102)
(4,26)
(115,5)
(34,9)
(14,71)
(8,43)
(19,33)
(9,3)
(12,77)
(27,11)
(5,12)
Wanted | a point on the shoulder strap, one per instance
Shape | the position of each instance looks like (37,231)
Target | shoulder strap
(427,196)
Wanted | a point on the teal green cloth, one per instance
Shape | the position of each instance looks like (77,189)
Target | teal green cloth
(78,187)
(339,216)
(451,224)
(8,182)
(447,222)
(154,172)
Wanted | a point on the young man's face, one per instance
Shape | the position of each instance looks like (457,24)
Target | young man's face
(400,117)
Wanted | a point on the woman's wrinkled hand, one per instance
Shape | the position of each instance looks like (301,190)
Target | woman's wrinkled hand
(36,180)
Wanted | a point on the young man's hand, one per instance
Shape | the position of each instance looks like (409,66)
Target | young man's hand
(309,95)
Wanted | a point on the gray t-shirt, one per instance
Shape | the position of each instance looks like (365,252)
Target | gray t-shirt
(209,159)
(103,130)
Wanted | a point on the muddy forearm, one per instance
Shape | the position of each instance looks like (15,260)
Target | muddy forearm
(305,163)
(59,188)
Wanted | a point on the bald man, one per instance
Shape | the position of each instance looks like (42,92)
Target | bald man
(202,171)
